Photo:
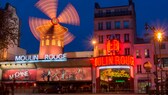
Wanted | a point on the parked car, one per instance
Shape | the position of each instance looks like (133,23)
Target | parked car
(54,89)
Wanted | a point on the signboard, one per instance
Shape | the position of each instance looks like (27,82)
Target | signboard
(109,74)
(113,60)
(112,47)
(47,57)
(64,74)
(21,75)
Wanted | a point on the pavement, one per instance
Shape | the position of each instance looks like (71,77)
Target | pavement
(81,94)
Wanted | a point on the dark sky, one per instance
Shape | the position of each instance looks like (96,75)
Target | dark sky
(152,11)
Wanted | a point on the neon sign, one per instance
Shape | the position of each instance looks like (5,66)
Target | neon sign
(47,57)
(112,46)
(120,81)
(113,60)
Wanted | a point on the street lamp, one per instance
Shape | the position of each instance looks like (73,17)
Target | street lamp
(159,38)
(147,27)
(147,66)
(94,42)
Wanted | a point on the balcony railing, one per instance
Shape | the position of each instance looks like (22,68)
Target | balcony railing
(111,14)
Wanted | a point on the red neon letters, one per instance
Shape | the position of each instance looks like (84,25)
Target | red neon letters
(112,45)
(113,60)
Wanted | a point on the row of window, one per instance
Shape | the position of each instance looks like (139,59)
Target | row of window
(108,11)
(53,42)
(117,25)
(146,53)
(113,12)
(114,36)
(164,62)
(126,51)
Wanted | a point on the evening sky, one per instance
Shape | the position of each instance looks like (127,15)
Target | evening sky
(152,11)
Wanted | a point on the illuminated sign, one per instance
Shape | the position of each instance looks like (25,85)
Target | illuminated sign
(112,46)
(120,81)
(114,73)
(113,60)
(20,74)
(64,74)
(47,57)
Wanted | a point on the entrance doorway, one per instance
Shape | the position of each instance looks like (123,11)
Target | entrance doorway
(116,84)
(115,79)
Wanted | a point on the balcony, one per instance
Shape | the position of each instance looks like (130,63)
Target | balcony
(113,14)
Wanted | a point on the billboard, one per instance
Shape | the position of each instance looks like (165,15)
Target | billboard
(64,74)
(114,72)
(19,75)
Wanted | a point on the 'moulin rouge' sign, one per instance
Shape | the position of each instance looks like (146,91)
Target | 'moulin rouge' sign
(113,60)
(47,57)
(112,57)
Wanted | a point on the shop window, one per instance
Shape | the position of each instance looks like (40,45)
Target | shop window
(138,54)
(117,25)
(127,51)
(163,46)
(139,69)
(47,42)
(100,38)
(126,37)
(100,26)
(53,42)
(126,24)
(147,55)
(108,25)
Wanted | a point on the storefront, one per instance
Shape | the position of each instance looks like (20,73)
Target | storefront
(113,70)
(73,75)
(114,75)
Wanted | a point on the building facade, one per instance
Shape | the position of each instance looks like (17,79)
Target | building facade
(116,65)
(115,39)
(14,24)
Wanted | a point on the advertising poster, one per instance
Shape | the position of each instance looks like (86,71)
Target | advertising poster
(64,74)
(19,75)
(111,73)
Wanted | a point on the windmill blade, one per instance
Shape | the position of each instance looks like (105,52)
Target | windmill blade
(68,38)
(48,7)
(36,22)
(69,16)
(61,33)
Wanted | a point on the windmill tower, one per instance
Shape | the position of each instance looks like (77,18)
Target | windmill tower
(51,34)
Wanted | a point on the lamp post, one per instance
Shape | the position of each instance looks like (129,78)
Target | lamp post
(147,27)
(94,42)
(159,38)
(147,66)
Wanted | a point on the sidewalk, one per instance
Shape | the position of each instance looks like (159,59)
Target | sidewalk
(82,94)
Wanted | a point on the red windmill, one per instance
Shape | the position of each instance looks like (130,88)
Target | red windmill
(51,34)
